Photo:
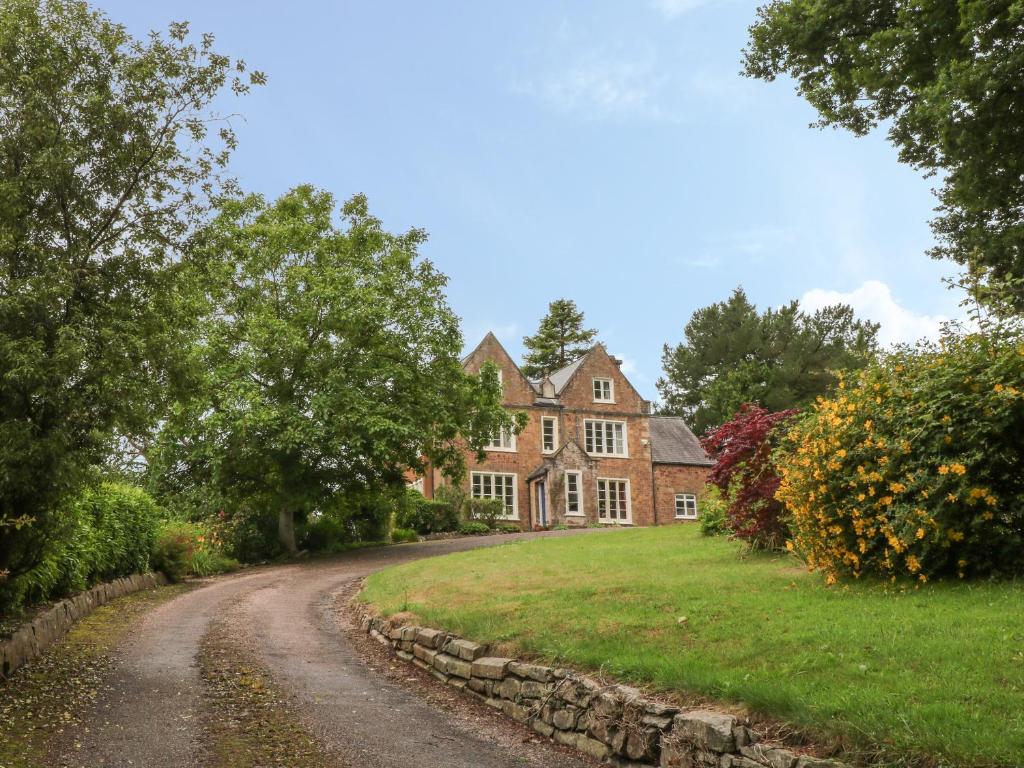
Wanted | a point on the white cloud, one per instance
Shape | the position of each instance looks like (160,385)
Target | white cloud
(874,301)
(628,367)
(675,8)
(603,85)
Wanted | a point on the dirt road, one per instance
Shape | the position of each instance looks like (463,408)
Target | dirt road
(358,707)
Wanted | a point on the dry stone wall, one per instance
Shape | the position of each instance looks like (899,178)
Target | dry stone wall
(31,639)
(615,723)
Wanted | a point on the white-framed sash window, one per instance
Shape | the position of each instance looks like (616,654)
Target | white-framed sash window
(604,390)
(574,493)
(613,501)
(605,438)
(548,434)
(686,506)
(503,441)
(497,485)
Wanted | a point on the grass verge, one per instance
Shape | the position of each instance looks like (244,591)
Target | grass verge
(248,723)
(894,674)
(51,695)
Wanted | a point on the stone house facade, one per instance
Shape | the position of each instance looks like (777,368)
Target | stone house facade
(591,452)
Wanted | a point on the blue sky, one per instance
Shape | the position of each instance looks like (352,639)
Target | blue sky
(607,152)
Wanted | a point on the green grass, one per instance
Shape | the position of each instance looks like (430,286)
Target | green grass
(931,676)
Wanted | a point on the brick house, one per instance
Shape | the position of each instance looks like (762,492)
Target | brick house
(591,451)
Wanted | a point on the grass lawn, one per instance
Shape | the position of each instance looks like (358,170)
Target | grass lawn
(933,674)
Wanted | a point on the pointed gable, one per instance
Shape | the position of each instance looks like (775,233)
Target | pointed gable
(577,384)
(518,389)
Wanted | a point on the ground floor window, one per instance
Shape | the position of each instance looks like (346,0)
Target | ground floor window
(686,506)
(613,501)
(492,485)
(573,499)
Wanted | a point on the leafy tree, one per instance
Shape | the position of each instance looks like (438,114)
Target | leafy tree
(332,363)
(746,475)
(105,167)
(779,359)
(560,340)
(945,77)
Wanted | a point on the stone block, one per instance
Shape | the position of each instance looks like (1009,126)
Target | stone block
(441,661)
(773,757)
(596,749)
(405,655)
(423,665)
(542,728)
(508,689)
(395,633)
(409,634)
(424,653)
(706,730)
(464,649)
(459,668)
(577,690)
(478,685)
(607,703)
(567,738)
(565,719)
(431,638)
(806,761)
(491,667)
(642,744)
(518,713)
(457,683)
(532,671)
(531,689)
(439,675)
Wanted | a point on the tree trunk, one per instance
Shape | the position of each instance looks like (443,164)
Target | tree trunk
(286,531)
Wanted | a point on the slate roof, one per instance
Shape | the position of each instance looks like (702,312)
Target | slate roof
(561,377)
(672,442)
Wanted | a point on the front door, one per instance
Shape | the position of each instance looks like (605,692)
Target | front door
(542,505)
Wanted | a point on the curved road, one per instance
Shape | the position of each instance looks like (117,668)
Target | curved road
(360,715)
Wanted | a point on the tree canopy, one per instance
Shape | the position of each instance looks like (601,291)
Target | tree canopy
(106,164)
(945,77)
(560,340)
(331,362)
(778,359)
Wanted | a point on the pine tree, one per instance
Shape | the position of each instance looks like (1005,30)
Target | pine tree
(560,340)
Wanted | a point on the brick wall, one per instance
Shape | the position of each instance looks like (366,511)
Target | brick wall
(670,479)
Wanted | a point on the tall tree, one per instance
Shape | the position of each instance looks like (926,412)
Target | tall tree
(561,339)
(945,77)
(332,363)
(779,359)
(105,168)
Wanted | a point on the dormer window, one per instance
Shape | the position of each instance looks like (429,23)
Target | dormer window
(603,391)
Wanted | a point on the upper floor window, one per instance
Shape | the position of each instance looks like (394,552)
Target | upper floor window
(604,391)
(686,506)
(605,437)
(548,434)
(503,441)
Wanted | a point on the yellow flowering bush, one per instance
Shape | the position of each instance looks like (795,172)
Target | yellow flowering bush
(915,466)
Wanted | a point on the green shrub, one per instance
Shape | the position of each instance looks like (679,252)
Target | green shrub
(104,533)
(325,533)
(401,535)
(474,528)
(916,466)
(509,528)
(711,512)
(425,515)
(183,549)
(486,511)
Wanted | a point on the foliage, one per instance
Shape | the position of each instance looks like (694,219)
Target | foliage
(106,532)
(778,359)
(332,363)
(944,78)
(486,511)
(474,528)
(359,517)
(183,549)
(915,468)
(745,474)
(712,508)
(105,167)
(509,528)
(425,515)
(560,340)
(868,667)
(403,535)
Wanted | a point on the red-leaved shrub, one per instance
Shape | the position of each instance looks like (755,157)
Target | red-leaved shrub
(747,476)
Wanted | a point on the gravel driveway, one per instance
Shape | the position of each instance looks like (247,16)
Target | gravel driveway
(362,709)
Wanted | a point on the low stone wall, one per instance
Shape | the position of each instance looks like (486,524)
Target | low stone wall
(31,639)
(615,723)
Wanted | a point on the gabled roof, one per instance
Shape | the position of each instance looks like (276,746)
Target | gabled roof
(672,442)
(563,376)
